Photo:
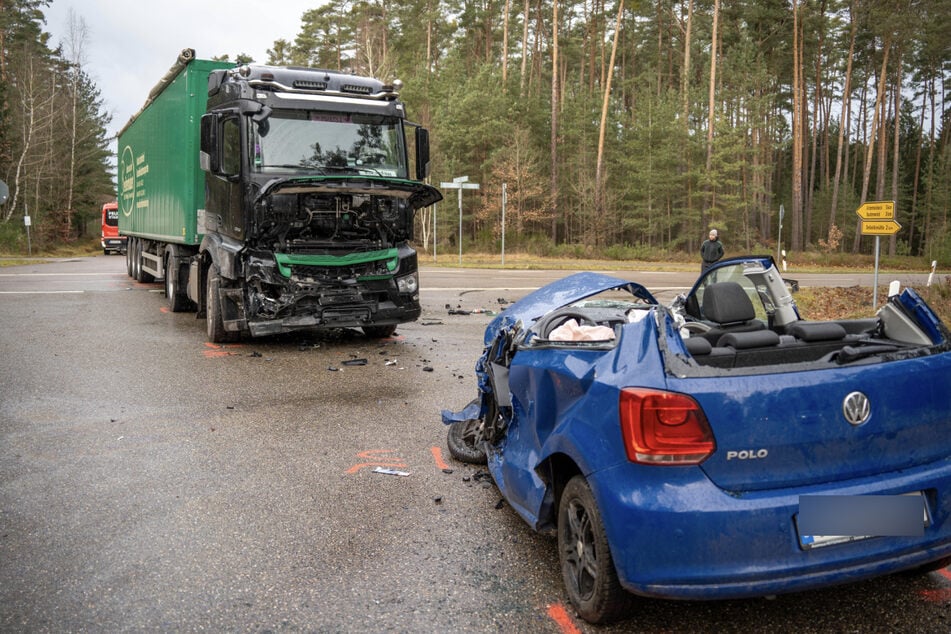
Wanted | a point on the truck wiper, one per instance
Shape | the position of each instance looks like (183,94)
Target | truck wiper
(848,354)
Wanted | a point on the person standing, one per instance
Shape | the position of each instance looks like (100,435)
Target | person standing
(710,251)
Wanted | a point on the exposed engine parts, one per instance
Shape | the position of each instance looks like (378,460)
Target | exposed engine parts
(285,220)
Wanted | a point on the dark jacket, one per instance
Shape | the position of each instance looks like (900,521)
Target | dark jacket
(711,251)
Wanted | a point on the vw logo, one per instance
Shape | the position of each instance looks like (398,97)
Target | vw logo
(856,408)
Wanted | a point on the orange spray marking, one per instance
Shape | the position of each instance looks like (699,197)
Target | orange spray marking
(560,616)
(377,458)
(437,456)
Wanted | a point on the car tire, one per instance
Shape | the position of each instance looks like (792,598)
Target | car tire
(587,567)
(465,441)
(213,314)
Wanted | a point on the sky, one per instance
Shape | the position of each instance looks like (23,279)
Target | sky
(131,44)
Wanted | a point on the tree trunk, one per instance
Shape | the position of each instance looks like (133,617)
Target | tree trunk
(893,239)
(554,123)
(711,109)
(867,171)
(797,127)
(600,186)
(844,120)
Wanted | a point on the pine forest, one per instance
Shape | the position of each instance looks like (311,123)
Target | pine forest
(621,130)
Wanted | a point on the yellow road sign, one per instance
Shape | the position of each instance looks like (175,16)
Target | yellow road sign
(879,227)
(880,210)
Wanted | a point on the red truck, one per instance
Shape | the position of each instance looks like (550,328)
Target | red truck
(111,241)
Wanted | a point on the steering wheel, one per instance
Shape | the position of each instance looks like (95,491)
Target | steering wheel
(549,322)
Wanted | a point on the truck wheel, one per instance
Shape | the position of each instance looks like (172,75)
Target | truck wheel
(178,301)
(379,332)
(137,272)
(213,313)
(129,250)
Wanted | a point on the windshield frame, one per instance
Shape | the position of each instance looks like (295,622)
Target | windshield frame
(357,143)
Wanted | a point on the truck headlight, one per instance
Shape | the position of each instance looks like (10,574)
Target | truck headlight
(407,284)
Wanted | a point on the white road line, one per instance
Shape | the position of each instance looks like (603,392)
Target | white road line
(38,292)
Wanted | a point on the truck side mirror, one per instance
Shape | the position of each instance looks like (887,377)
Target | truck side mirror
(208,157)
(422,153)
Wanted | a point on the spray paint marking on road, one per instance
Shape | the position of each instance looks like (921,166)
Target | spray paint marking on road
(377,458)
(437,456)
(939,595)
(214,350)
(562,619)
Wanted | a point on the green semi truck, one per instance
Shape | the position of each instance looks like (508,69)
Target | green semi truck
(274,199)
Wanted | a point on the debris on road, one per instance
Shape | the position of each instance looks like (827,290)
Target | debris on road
(393,472)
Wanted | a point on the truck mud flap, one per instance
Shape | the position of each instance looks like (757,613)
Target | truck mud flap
(232,310)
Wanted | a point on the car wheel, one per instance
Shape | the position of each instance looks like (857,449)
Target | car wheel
(465,441)
(213,314)
(587,567)
(379,332)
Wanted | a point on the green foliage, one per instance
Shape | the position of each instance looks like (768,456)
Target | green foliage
(658,191)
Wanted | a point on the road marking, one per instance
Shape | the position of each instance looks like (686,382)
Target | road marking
(214,350)
(39,292)
(437,456)
(562,619)
(938,595)
(59,274)
(376,458)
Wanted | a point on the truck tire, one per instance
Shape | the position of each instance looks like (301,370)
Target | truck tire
(140,274)
(379,332)
(178,301)
(213,313)
(129,250)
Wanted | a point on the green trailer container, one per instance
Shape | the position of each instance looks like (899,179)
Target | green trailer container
(161,185)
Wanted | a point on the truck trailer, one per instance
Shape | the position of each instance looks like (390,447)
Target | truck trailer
(274,199)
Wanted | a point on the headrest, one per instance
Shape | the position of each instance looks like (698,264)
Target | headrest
(816,330)
(746,340)
(727,303)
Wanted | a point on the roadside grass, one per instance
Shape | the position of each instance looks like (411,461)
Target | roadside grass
(855,302)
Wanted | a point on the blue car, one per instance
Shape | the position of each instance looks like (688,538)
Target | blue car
(721,447)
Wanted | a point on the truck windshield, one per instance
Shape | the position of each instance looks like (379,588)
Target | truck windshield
(329,143)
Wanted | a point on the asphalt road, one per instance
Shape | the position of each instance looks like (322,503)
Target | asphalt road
(150,481)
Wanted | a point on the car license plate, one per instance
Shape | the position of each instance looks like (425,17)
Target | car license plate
(809,541)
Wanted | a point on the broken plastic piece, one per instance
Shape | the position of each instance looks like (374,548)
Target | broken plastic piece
(354,362)
(393,472)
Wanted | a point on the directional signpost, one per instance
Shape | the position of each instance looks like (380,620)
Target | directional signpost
(460,183)
(878,219)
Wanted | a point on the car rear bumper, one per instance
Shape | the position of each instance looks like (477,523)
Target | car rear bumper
(681,537)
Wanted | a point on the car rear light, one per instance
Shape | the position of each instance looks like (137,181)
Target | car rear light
(664,428)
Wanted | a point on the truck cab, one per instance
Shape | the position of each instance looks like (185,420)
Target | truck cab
(310,193)
(110,239)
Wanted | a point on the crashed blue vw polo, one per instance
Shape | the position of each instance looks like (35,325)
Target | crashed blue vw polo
(721,447)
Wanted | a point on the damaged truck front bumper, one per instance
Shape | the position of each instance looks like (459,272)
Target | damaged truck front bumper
(287,292)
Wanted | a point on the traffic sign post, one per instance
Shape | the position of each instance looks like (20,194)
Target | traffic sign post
(877,219)
(460,183)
